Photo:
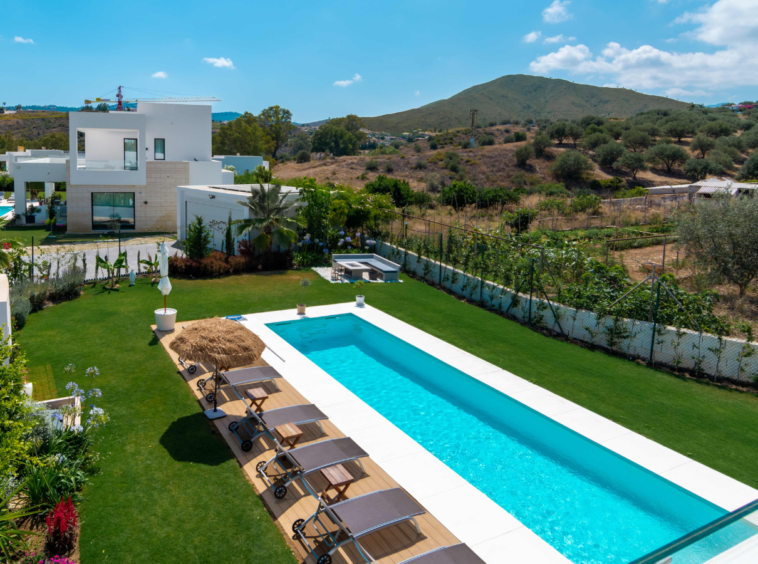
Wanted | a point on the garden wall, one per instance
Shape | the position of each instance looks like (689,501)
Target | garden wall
(701,352)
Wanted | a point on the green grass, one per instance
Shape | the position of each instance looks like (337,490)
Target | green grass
(170,490)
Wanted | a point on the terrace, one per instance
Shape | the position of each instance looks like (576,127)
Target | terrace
(158,447)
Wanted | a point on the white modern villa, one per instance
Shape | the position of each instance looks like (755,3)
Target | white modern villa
(126,166)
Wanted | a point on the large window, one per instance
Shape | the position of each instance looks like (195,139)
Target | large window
(130,154)
(160,149)
(112,211)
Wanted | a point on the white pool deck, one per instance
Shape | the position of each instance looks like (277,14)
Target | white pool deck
(494,534)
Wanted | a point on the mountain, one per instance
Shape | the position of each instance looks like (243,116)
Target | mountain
(225,116)
(522,96)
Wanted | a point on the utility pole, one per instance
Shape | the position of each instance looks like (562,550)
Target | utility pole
(473,125)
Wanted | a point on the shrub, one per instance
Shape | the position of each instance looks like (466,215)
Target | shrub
(614,183)
(608,153)
(552,189)
(541,143)
(636,140)
(458,194)
(372,165)
(389,167)
(399,190)
(586,202)
(433,145)
(519,136)
(520,219)
(636,192)
(420,164)
(198,242)
(434,182)
(523,154)
(46,485)
(749,170)
(700,169)
(594,140)
(61,525)
(509,139)
(452,161)
(486,140)
(716,129)
(571,166)
(396,144)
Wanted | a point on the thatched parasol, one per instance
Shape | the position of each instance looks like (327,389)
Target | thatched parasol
(223,343)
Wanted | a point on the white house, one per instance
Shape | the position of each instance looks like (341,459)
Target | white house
(126,166)
(707,188)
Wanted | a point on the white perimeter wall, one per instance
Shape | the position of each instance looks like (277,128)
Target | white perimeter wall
(725,358)
(5,306)
(186,129)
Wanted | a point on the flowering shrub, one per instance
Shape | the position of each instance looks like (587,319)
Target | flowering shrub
(68,413)
(61,525)
(34,558)
(218,264)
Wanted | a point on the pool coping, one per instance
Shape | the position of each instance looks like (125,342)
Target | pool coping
(470,515)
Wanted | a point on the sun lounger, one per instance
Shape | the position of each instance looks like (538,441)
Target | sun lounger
(297,463)
(255,424)
(358,517)
(240,377)
(456,554)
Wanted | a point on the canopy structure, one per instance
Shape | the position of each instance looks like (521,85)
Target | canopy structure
(223,343)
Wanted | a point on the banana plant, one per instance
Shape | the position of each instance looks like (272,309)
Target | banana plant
(11,537)
(113,269)
(152,265)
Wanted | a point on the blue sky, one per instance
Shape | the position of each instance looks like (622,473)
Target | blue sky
(327,58)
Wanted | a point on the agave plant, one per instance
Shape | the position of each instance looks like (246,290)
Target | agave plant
(12,539)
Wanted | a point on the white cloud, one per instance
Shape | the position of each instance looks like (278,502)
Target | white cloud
(220,62)
(160,74)
(556,12)
(19,39)
(348,82)
(532,37)
(558,39)
(731,25)
(682,93)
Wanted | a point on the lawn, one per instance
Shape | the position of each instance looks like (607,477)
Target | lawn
(170,491)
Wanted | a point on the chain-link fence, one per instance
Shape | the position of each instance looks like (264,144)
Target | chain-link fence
(563,290)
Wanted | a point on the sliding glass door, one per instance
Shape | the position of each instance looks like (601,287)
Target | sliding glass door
(130,154)
(112,211)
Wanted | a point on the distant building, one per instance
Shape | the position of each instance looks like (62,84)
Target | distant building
(707,188)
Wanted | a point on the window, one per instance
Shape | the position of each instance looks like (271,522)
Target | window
(130,154)
(112,211)
(160,149)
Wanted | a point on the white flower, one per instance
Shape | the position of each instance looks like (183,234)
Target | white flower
(69,369)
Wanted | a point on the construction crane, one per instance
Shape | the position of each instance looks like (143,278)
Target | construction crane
(120,100)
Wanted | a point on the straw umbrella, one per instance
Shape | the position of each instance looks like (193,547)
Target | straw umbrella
(223,343)
(164,285)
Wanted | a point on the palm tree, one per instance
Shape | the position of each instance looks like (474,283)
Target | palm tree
(269,210)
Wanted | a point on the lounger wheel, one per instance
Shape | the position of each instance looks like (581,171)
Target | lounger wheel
(200,383)
(247,445)
(233,425)
(259,466)
(280,492)
(324,559)
(210,397)
(297,524)
(192,369)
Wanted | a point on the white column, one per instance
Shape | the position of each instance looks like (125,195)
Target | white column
(19,188)
(49,189)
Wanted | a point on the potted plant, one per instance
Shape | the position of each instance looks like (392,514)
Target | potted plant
(360,299)
(304,283)
(31,213)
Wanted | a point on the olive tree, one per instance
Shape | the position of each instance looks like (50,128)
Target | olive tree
(631,162)
(702,143)
(749,170)
(720,234)
(666,155)
(571,166)
(636,140)
(608,153)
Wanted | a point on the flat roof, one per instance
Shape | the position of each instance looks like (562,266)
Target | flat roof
(236,188)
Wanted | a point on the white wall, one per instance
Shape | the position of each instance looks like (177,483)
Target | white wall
(205,173)
(192,202)
(5,306)
(186,129)
(35,171)
(108,144)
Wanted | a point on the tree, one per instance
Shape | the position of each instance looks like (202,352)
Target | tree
(102,107)
(702,143)
(18,107)
(520,219)
(334,140)
(458,195)
(678,129)
(198,241)
(300,141)
(541,143)
(594,140)
(609,153)
(277,125)
(353,125)
(524,154)
(574,132)
(636,140)
(631,162)
(303,156)
(700,169)
(399,191)
(749,170)
(270,217)
(242,135)
(571,166)
(716,129)
(720,234)
(667,155)
(558,131)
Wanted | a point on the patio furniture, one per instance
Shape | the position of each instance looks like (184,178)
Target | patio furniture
(456,554)
(255,425)
(290,434)
(296,464)
(221,343)
(355,269)
(355,518)
(258,397)
(376,266)
(339,479)
(237,378)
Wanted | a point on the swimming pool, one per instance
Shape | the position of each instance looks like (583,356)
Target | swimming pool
(5,209)
(589,503)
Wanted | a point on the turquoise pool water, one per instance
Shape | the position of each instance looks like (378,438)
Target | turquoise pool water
(5,209)
(592,505)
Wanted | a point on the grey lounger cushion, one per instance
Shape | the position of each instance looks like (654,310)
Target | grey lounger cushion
(250,375)
(297,414)
(373,511)
(456,554)
(316,456)
(373,263)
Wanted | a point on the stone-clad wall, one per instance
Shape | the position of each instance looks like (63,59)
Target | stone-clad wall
(155,203)
(723,357)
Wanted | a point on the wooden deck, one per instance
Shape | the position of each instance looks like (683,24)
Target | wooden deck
(391,545)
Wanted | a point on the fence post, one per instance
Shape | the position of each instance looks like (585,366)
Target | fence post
(531,288)
(481,277)
(440,258)
(655,321)
(31,270)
